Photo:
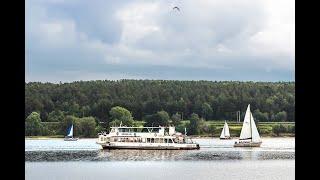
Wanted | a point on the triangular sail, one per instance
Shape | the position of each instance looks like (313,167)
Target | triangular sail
(70,134)
(226,130)
(249,129)
(255,133)
(223,132)
(246,130)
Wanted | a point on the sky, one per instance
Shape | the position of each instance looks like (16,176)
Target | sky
(216,40)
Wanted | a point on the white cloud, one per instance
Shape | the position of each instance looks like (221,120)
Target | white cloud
(215,34)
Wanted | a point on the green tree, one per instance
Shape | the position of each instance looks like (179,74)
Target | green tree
(55,116)
(194,126)
(161,118)
(277,129)
(33,125)
(121,114)
(86,127)
(281,116)
(176,118)
(146,97)
(260,116)
(206,110)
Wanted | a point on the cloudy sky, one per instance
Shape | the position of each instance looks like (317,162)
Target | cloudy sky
(247,40)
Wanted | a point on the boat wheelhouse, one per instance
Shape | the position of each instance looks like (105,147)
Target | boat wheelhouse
(145,138)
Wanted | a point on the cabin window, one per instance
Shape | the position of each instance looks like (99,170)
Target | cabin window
(165,140)
(152,140)
(170,141)
(101,139)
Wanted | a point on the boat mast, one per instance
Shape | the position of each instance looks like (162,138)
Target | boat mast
(250,127)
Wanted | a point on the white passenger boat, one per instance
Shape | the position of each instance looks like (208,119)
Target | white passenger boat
(249,136)
(145,138)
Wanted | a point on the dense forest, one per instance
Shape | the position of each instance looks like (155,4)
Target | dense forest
(270,101)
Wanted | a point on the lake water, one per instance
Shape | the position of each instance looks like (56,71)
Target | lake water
(216,159)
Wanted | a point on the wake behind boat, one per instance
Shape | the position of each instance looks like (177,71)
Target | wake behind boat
(145,138)
(70,137)
(249,136)
(225,132)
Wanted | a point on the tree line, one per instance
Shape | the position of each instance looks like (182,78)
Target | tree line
(270,101)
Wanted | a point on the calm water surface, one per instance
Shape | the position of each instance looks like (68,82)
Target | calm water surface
(216,159)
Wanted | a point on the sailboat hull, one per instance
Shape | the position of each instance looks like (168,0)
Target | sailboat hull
(70,139)
(225,138)
(247,144)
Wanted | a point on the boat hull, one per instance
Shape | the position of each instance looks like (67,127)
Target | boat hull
(247,144)
(226,138)
(150,146)
(70,139)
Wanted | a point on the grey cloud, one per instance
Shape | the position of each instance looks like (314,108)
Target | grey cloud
(209,40)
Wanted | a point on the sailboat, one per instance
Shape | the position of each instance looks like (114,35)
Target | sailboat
(225,132)
(70,137)
(249,136)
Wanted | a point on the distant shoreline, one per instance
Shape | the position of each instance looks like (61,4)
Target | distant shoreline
(191,136)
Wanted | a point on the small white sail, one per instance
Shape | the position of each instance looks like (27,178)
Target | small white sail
(225,131)
(222,132)
(246,130)
(71,132)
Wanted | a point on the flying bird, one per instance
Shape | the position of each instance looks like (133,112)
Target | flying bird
(176,8)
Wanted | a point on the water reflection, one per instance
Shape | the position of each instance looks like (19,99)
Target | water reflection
(154,155)
(211,149)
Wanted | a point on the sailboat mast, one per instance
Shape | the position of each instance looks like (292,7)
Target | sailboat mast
(250,127)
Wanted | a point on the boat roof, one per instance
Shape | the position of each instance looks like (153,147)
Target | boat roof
(137,127)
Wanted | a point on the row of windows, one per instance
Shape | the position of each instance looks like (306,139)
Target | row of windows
(143,140)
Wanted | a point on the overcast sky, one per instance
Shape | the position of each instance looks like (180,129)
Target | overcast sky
(246,40)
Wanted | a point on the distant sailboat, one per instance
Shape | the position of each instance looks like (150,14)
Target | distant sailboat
(249,136)
(225,132)
(69,137)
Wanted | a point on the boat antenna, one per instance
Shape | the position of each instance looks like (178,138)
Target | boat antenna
(185,131)
(120,123)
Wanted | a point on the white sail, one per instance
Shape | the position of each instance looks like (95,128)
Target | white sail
(225,131)
(255,133)
(249,129)
(246,130)
(71,132)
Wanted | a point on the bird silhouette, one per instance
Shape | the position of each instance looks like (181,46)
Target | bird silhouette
(176,8)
